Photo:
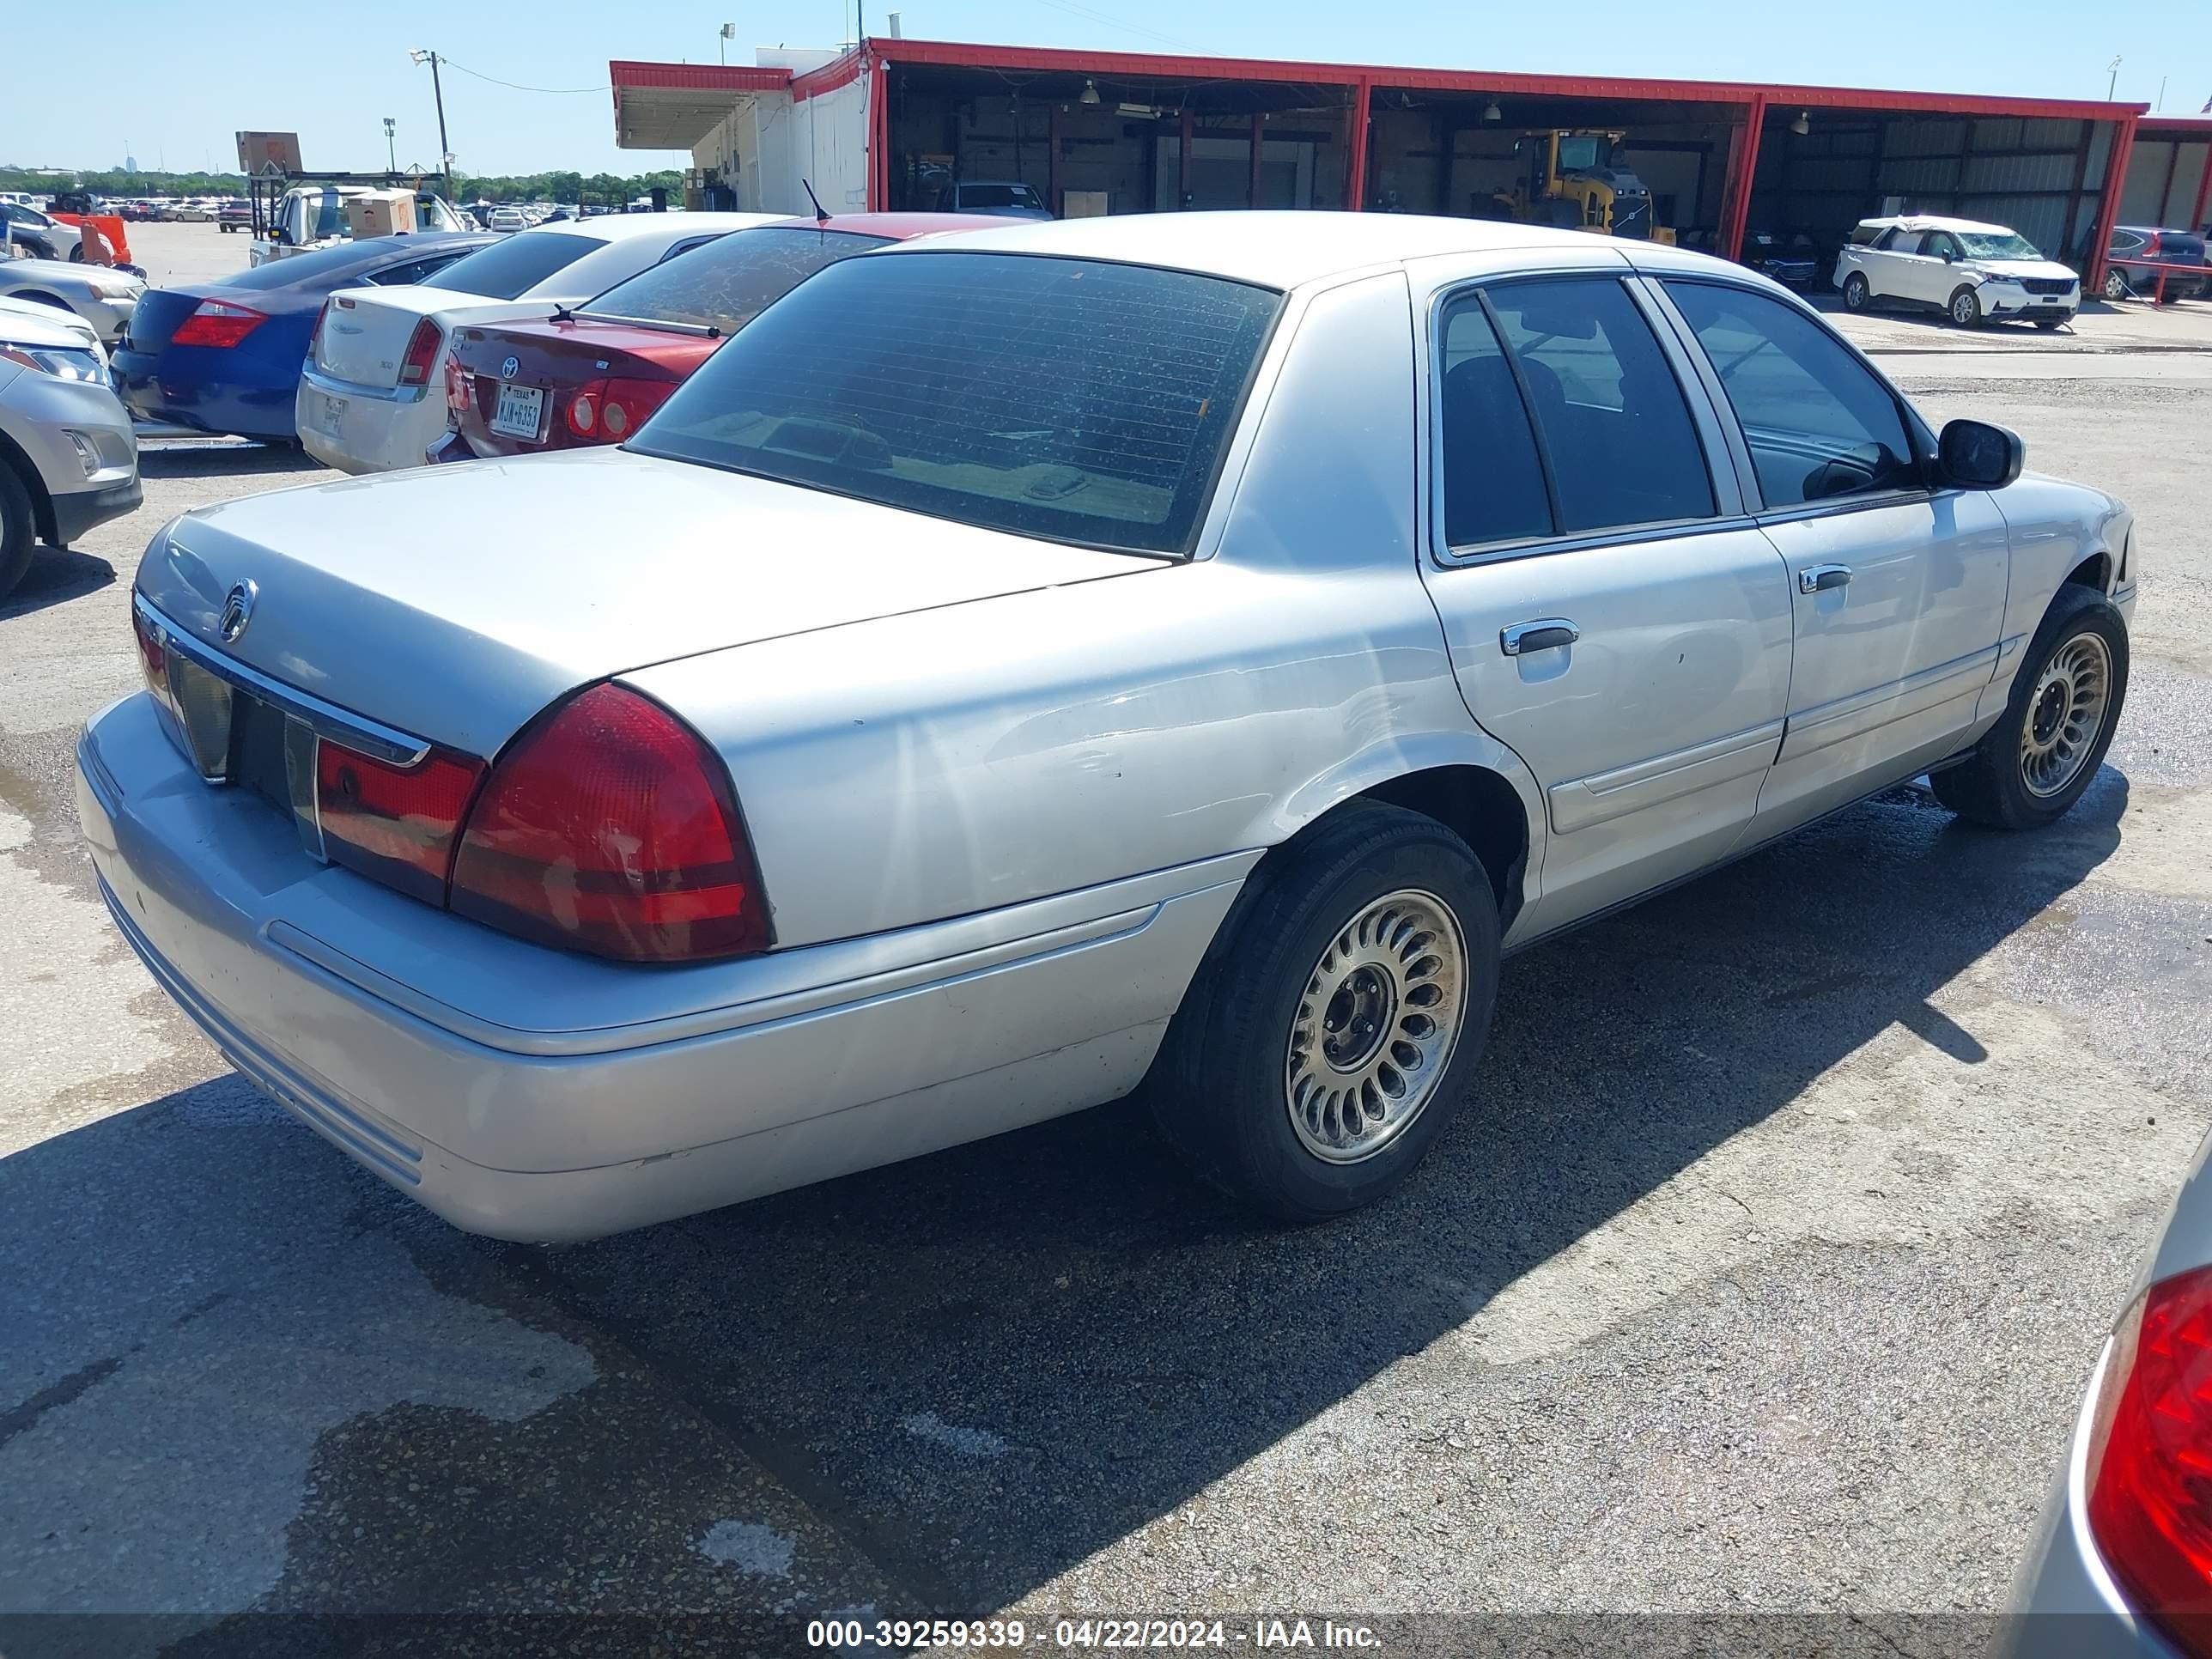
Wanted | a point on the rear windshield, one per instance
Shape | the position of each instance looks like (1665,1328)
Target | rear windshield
(1062,399)
(505,270)
(729,282)
(343,260)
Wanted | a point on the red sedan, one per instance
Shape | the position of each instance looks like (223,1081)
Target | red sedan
(592,377)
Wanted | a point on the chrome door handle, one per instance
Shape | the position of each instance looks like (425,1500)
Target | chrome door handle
(1820,578)
(1542,634)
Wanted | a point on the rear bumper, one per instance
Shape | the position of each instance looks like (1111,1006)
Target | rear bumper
(653,1093)
(377,429)
(232,406)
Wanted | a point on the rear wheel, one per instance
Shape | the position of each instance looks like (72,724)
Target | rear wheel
(1329,1036)
(19,529)
(2036,761)
(1856,294)
(2116,284)
(1966,309)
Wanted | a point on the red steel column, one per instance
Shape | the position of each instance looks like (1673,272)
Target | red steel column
(1355,161)
(1743,168)
(2108,206)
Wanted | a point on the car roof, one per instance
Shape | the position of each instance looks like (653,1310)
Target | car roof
(620,227)
(898,227)
(1275,248)
(1936,222)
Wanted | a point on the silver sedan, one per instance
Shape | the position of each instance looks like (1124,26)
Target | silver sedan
(1188,646)
(2121,1563)
(103,297)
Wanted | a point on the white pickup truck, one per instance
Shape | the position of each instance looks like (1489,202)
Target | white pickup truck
(313,215)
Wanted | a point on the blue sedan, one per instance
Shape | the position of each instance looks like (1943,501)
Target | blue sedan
(225,357)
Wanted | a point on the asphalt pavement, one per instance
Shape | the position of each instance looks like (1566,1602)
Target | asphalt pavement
(1762,1275)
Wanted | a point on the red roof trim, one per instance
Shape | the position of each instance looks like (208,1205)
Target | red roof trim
(841,71)
(630,76)
(1162,66)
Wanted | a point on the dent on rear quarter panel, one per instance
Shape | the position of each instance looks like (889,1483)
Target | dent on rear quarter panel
(956,760)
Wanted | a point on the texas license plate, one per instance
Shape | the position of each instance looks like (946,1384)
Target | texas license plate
(328,414)
(521,410)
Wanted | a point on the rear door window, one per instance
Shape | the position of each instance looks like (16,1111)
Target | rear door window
(730,280)
(1067,399)
(506,270)
(1492,477)
(1617,433)
(1818,423)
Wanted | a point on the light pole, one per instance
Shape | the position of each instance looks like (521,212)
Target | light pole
(437,91)
(391,149)
(2114,79)
(722,47)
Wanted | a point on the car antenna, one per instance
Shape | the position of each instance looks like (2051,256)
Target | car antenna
(821,213)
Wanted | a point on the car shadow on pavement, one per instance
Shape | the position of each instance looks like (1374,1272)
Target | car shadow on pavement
(194,459)
(979,1369)
(55,575)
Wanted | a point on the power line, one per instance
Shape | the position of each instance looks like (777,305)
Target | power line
(516,85)
(1075,9)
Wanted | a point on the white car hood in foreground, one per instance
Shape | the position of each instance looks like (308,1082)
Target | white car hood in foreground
(456,602)
(32,323)
(2009,270)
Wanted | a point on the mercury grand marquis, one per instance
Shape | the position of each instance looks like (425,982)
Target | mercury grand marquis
(1185,649)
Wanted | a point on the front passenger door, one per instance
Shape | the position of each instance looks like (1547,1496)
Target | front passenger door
(1898,590)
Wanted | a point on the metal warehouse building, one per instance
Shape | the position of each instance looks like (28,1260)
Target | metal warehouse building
(885,123)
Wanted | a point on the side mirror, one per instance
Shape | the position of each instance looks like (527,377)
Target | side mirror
(1976,455)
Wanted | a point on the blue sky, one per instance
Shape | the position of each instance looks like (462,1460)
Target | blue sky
(173,80)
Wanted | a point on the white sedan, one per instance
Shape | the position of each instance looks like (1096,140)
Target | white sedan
(372,396)
(1973,272)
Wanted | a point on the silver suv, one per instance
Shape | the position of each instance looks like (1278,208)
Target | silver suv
(69,459)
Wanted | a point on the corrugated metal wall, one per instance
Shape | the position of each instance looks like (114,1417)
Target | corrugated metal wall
(2161,185)
(2029,173)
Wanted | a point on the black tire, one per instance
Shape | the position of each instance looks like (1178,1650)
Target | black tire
(76,252)
(1856,295)
(2116,284)
(1222,1091)
(1964,308)
(19,529)
(1990,786)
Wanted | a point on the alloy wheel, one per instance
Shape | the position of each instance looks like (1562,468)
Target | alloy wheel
(1375,1026)
(2064,715)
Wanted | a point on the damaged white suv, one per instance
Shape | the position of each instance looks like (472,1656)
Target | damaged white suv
(1974,272)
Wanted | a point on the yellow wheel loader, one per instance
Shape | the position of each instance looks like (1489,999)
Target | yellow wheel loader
(1574,177)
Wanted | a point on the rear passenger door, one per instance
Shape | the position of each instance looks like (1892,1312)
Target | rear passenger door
(1898,589)
(1612,615)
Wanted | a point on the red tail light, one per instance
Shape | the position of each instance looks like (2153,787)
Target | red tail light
(607,411)
(395,824)
(2150,1457)
(456,385)
(421,353)
(609,827)
(218,323)
(315,334)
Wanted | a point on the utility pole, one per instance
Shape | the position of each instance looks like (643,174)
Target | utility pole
(438,91)
(391,149)
(2114,81)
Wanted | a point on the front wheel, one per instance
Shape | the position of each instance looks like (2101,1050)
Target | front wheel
(2036,761)
(1331,1033)
(1965,308)
(1856,294)
(19,529)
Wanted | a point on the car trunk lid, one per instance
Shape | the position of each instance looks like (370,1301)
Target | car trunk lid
(365,332)
(456,603)
(559,359)
(160,312)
